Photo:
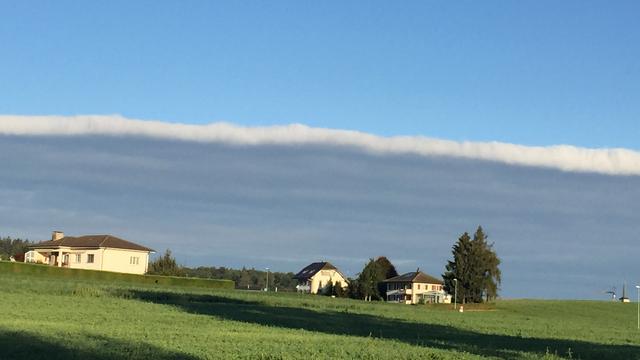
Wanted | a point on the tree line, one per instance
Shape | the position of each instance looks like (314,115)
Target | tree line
(245,278)
(10,247)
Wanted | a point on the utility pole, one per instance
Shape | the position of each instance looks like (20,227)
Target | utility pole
(267,287)
(638,288)
(455,295)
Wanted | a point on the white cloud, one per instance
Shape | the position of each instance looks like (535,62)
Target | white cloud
(616,161)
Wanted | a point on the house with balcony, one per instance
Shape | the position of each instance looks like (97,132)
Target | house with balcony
(314,277)
(416,288)
(91,252)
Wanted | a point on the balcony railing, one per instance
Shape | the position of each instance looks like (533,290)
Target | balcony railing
(399,291)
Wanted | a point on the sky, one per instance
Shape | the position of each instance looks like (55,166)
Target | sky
(275,134)
(526,72)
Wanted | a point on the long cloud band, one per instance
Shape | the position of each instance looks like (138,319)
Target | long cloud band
(616,161)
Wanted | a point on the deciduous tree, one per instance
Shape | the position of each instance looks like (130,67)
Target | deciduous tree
(371,277)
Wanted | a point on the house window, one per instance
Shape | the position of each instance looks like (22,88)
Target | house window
(418,286)
(90,258)
(134,260)
(78,258)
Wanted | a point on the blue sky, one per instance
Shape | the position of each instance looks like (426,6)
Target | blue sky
(534,73)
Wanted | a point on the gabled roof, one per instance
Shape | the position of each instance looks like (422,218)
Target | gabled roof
(313,269)
(91,241)
(415,277)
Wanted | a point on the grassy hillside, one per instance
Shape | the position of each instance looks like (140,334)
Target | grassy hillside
(51,317)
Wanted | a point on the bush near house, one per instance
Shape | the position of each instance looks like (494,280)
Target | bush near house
(56,272)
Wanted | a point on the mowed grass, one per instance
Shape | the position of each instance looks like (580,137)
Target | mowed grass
(52,318)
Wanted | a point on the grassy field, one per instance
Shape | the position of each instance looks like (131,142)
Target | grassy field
(47,317)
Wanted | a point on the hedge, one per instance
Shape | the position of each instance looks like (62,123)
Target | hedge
(57,272)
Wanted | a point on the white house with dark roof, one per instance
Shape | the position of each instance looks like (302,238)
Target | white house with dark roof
(416,287)
(317,275)
(91,252)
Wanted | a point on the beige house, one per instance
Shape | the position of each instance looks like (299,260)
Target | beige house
(317,275)
(91,252)
(415,288)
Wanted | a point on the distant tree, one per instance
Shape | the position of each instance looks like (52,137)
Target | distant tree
(457,269)
(328,289)
(486,275)
(244,280)
(368,281)
(13,247)
(386,270)
(475,265)
(353,289)
(165,265)
(371,277)
(339,291)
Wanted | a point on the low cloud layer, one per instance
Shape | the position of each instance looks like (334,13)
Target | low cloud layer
(560,234)
(562,157)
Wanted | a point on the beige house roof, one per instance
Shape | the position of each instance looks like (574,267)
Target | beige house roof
(415,277)
(91,241)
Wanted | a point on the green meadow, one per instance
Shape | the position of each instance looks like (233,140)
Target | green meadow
(51,317)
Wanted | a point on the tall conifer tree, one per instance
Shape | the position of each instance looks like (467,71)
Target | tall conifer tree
(475,265)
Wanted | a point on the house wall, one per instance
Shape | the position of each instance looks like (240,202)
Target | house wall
(409,293)
(125,261)
(322,278)
(106,259)
(84,258)
(33,256)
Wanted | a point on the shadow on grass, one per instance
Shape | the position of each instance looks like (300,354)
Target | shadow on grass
(346,323)
(23,345)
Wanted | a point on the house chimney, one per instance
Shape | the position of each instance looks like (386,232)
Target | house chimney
(57,235)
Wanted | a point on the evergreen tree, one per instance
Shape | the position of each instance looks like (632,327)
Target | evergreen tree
(475,265)
(13,247)
(487,275)
(459,268)
(165,265)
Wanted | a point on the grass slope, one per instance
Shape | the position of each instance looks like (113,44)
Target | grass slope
(47,317)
